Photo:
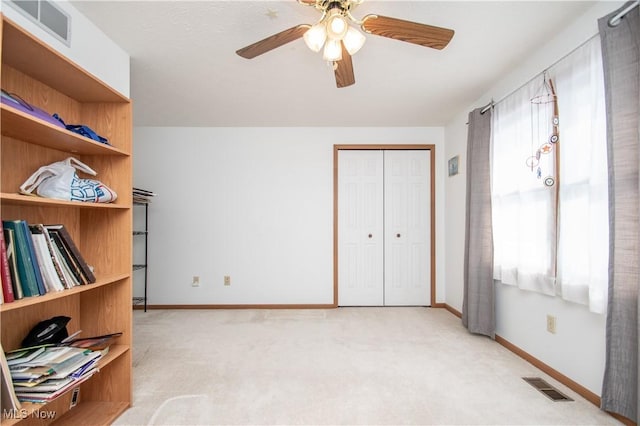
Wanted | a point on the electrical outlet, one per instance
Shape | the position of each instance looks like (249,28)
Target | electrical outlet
(196,281)
(551,324)
(227,280)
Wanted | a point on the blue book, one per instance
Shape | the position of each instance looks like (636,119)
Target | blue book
(24,260)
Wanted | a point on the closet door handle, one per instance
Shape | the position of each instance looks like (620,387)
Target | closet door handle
(397,235)
(370,235)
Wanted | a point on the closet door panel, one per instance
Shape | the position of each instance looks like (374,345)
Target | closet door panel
(360,228)
(407,263)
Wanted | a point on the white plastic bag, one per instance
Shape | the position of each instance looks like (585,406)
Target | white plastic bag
(60,181)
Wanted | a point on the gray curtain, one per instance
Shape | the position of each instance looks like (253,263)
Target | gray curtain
(478,313)
(621,57)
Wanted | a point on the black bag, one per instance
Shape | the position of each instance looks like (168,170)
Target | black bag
(51,331)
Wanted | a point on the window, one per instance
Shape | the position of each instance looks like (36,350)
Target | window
(554,239)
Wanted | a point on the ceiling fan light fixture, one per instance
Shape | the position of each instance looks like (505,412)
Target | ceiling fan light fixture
(332,51)
(336,26)
(353,40)
(315,37)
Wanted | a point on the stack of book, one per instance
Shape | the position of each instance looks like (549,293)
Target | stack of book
(8,399)
(41,374)
(142,196)
(38,259)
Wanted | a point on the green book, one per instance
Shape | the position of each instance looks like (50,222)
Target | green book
(24,260)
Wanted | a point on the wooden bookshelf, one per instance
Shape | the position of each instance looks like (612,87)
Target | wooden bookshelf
(102,232)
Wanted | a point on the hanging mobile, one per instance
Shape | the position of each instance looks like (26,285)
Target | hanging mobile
(546,148)
(544,132)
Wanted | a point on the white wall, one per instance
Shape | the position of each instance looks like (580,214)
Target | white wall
(111,65)
(577,349)
(255,204)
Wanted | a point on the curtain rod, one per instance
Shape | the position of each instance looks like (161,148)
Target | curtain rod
(615,20)
(493,103)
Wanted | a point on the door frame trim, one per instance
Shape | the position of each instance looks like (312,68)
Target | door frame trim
(384,147)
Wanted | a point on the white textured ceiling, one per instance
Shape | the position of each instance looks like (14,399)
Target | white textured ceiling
(184,70)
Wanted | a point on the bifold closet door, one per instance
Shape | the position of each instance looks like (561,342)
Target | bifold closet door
(384,228)
(360,228)
(407,223)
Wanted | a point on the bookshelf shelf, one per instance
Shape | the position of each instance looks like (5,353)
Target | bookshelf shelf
(26,200)
(29,301)
(17,124)
(40,62)
(28,408)
(102,232)
(115,351)
(100,413)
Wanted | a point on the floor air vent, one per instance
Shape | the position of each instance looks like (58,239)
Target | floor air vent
(544,387)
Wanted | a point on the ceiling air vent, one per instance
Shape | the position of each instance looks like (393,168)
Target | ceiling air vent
(47,15)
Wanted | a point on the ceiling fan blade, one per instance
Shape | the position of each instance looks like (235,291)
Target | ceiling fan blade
(344,70)
(274,41)
(411,32)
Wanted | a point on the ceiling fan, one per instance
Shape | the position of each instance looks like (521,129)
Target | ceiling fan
(341,40)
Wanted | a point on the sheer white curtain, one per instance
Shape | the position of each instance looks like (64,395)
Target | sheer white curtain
(583,250)
(527,227)
(523,217)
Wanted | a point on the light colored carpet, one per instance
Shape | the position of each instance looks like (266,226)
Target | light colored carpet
(355,366)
